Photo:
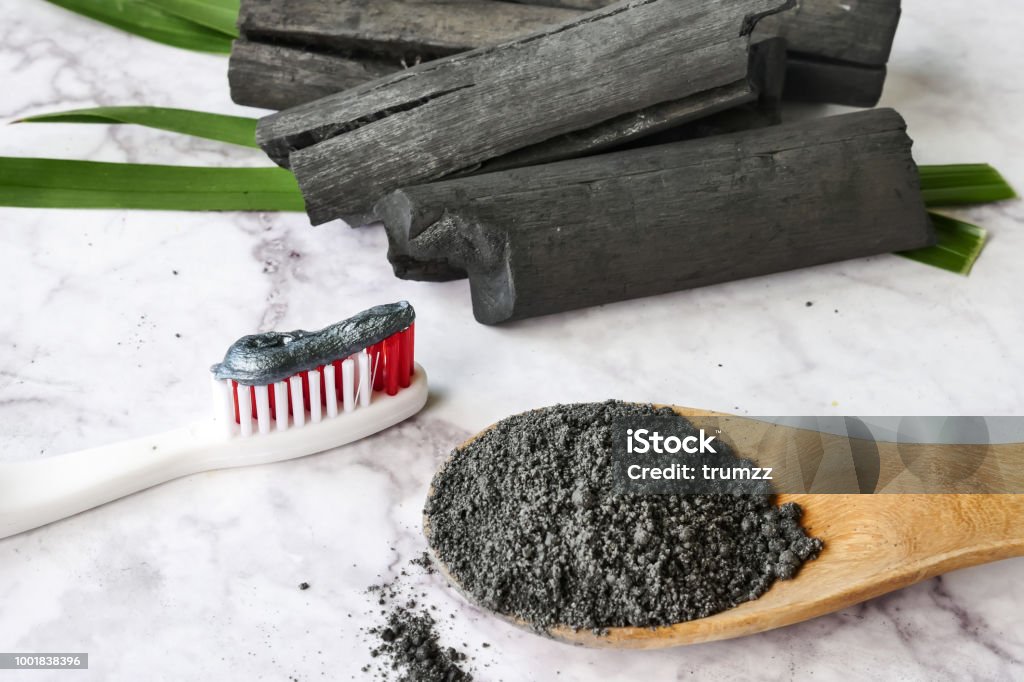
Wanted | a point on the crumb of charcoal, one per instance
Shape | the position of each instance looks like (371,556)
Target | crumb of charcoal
(408,643)
(424,562)
(411,643)
(303,586)
(810,303)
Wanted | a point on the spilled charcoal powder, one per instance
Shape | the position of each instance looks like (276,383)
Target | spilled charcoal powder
(408,644)
(525,522)
(411,641)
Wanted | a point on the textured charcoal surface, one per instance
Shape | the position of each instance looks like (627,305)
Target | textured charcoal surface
(859,32)
(282,76)
(296,51)
(573,4)
(837,50)
(741,106)
(524,521)
(401,30)
(447,116)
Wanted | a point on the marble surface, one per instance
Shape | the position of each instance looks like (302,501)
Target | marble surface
(111,318)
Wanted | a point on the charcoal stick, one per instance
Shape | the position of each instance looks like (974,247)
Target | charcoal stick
(349,149)
(573,234)
(838,50)
(402,29)
(295,51)
(289,56)
(860,32)
(278,77)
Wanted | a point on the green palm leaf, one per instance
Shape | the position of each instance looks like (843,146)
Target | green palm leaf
(233,129)
(957,247)
(955,185)
(147,19)
(220,15)
(59,183)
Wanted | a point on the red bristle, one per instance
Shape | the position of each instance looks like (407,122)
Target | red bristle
(252,400)
(291,403)
(411,342)
(403,359)
(273,402)
(323,385)
(305,388)
(392,363)
(234,399)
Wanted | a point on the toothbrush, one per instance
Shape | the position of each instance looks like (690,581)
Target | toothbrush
(277,396)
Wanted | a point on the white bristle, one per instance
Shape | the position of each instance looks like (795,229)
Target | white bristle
(224,404)
(365,380)
(315,406)
(298,402)
(244,410)
(348,384)
(331,385)
(263,409)
(281,404)
(357,376)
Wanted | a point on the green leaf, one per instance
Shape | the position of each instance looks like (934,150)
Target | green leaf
(146,20)
(57,183)
(955,185)
(220,15)
(233,129)
(957,248)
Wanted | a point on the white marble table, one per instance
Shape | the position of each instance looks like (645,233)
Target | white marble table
(110,320)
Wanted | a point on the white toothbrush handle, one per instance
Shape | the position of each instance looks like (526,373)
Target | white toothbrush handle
(38,492)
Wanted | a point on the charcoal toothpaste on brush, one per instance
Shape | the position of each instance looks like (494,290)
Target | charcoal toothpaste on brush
(527,520)
(277,396)
(315,370)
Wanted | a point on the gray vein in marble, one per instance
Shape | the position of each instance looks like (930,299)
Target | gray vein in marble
(969,624)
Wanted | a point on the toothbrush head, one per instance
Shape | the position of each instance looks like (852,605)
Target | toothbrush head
(277,382)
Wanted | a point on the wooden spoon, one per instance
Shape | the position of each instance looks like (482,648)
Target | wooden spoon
(874,544)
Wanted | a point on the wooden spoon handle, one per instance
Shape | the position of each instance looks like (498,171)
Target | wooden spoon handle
(809,461)
(960,530)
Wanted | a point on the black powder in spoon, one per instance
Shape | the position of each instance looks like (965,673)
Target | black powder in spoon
(525,521)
